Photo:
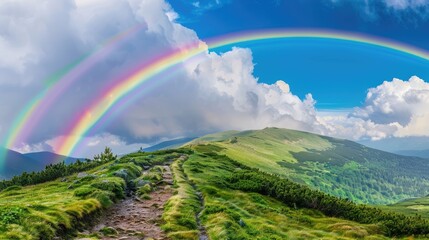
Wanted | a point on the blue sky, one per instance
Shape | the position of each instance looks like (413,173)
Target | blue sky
(357,92)
(317,66)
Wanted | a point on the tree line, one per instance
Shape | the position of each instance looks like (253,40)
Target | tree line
(297,195)
(54,171)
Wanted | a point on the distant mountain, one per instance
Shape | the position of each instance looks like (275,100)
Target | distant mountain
(46,158)
(16,163)
(340,167)
(169,144)
(415,153)
(409,146)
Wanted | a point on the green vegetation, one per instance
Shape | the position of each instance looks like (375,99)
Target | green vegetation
(51,172)
(181,209)
(295,195)
(240,185)
(342,168)
(59,207)
(234,214)
(411,207)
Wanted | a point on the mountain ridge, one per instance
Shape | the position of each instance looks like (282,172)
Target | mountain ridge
(340,167)
(16,163)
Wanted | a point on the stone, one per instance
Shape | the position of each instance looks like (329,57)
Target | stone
(82,175)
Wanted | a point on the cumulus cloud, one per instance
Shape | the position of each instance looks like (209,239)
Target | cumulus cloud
(213,92)
(395,108)
(217,92)
(398,103)
(39,39)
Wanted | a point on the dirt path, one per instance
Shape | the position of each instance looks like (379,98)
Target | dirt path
(135,219)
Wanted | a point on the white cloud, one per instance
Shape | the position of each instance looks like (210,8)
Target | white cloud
(213,92)
(217,92)
(395,108)
(27,148)
(203,6)
(406,4)
(37,40)
(372,8)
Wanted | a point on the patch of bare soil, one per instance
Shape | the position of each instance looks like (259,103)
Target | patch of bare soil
(135,219)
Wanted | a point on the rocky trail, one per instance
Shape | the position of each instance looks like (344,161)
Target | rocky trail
(135,219)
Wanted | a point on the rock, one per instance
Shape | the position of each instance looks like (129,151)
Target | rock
(122,173)
(145,167)
(241,223)
(141,182)
(167,181)
(82,175)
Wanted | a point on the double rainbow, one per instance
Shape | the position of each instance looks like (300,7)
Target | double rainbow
(112,95)
(36,108)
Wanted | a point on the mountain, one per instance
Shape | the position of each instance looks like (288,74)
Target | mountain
(169,144)
(339,167)
(46,158)
(408,146)
(16,163)
(415,153)
(214,197)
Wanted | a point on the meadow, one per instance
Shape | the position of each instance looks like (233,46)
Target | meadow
(339,167)
(221,191)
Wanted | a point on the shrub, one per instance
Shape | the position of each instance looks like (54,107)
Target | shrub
(84,191)
(12,215)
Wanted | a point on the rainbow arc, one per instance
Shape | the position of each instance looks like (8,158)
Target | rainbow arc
(114,94)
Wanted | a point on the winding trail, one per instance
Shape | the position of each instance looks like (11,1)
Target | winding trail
(135,219)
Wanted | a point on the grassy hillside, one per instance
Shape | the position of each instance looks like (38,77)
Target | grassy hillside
(234,214)
(339,167)
(411,207)
(213,200)
(171,144)
(215,197)
(59,207)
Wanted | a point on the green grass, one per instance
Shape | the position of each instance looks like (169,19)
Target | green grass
(181,209)
(47,207)
(232,214)
(338,167)
(411,207)
(57,208)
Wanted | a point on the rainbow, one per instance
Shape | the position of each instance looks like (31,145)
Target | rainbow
(113,95)
(55,86)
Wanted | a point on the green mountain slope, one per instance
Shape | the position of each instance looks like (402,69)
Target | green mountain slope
(339,167)
(223,199)
(214,196)
(411,207)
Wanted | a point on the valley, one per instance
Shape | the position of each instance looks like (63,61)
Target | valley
(233,185)
(339,167)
